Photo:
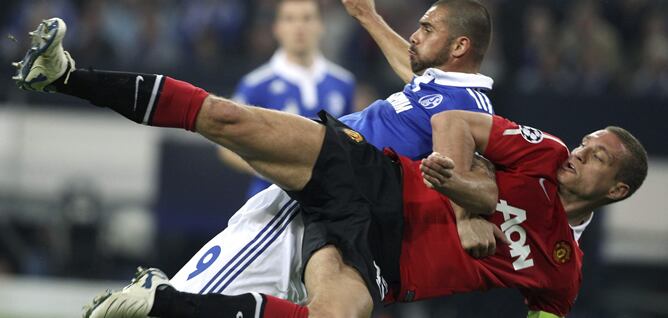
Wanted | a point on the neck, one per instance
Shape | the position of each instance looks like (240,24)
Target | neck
(461,67)
(304,59)
(577,209)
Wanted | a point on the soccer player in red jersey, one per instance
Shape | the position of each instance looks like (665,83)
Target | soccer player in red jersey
(542,189)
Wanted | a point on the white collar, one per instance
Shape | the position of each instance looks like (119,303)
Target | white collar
(455,79)
(579,229)
(296,73)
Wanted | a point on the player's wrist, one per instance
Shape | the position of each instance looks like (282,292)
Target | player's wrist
(370,19)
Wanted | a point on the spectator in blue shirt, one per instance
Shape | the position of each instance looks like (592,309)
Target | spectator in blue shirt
(297,79)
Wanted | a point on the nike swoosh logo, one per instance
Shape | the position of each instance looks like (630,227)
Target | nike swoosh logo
(137,80)
(542,185)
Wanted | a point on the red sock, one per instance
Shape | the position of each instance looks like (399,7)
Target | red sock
(281,308)
(178,105)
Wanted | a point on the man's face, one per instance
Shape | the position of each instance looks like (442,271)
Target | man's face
(298,27)
(431,43)
(591,168)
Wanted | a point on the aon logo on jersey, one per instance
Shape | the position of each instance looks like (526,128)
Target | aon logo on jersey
(513,218)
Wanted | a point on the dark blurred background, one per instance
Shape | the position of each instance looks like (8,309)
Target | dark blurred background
(86,196)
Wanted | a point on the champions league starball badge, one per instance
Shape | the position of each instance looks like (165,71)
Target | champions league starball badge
(531,134)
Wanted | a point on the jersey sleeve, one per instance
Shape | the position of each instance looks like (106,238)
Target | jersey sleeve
(558,303)
(524,149)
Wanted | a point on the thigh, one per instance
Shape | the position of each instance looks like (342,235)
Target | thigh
(260,251)
(280,146)
(334,288)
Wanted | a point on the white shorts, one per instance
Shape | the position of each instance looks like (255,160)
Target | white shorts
(259,251)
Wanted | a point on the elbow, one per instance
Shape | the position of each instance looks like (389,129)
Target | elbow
(218,116)
(446,117)
(491,198)
(451,119)
(440,119)
(490,202)
(486,204)
(223,111)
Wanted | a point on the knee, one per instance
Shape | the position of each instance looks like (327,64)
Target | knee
(223,111)
(223,118)
(336,290)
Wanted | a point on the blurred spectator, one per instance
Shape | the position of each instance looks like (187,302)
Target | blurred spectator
(589,46)
(540,68)
(209,28)
(651,76)
(566,47)
(120,24)
(91,39)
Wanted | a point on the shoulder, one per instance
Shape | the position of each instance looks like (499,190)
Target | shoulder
(440,98)
(258,76)
(340,73)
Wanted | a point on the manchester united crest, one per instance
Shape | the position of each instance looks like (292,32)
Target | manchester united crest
(355,136)
(562,252)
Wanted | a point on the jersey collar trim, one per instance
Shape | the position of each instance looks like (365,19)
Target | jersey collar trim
(579,229)
(297,73)
(455,79)
(306,79)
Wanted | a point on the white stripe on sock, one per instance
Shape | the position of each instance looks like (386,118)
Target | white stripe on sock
(258,304)
(149,109)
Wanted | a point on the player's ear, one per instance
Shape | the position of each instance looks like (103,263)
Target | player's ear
(460,46)
(618,191)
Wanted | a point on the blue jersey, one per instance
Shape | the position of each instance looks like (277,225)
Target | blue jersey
(284,86)
(403,120)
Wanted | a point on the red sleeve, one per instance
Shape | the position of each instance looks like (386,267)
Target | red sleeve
(524,149)
(557,303)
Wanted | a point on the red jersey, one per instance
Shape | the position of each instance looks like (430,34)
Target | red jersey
(544,260)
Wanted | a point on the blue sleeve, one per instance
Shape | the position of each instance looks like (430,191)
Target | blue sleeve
(350,98)
(247,94)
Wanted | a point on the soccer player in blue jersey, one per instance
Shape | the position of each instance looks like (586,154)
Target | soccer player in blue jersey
(262,244)
(297,79)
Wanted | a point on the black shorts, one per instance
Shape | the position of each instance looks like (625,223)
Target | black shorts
(354,201)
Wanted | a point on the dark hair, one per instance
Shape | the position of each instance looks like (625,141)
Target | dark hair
(317,4)
(471,19)
(633,168)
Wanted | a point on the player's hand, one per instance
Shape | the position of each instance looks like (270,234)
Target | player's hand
(359,8)
(479,236)
(437,171)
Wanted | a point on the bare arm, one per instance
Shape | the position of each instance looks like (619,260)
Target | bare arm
(394,47)
(451,170)
(477,236)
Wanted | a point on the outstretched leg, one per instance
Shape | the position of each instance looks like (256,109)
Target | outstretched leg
(280,146)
